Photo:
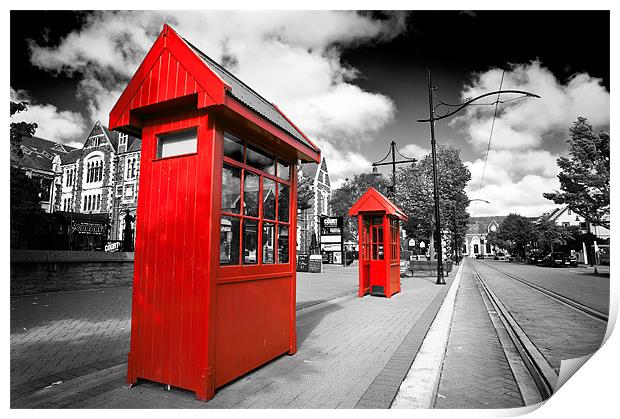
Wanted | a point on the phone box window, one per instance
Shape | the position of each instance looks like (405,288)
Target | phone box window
(177,143)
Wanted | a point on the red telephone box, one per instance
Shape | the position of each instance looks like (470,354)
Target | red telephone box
(214,277)
(379,243)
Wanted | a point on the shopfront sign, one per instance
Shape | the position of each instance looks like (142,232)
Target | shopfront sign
(89,228)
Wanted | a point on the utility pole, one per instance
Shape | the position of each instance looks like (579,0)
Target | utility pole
(431,119)
(440,278)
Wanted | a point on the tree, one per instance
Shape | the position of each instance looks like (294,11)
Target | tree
(20,129)
(305,192)
(346,195)
(495,241)
(549,235)
(584,178)
(414,195)
(25,202)
(517,231)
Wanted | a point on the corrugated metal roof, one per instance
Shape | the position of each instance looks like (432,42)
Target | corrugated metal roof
(246,95)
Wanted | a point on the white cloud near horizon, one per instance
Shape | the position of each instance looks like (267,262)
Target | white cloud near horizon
(291,58)
(52,123)
(520,167)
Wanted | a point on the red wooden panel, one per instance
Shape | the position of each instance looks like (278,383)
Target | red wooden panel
(252,325)
(164,76)
(165,346)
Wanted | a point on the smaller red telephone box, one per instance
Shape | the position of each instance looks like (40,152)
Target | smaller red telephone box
(379,243)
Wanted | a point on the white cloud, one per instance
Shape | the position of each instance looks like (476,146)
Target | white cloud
(414,151)
(526,123)
(291,58)
(340,163)
(523,197)
(514,181)
(53,124)
(520,168)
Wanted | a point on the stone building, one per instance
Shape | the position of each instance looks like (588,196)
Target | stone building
(308,222)
(101,179)
(41,160)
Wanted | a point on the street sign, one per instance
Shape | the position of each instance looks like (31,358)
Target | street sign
(331,239)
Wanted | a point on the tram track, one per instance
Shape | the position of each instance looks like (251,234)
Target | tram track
(540,370)
(582,308)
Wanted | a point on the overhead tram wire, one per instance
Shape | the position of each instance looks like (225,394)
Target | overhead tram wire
(491,134)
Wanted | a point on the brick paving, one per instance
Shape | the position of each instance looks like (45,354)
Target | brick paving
(342,347)
(57,333)
(58,336)
(558,331)
(475,372)
(382,391)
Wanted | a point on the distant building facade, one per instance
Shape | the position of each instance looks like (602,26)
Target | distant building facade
(308,222)
(41,160)
(563,216)
(478,229)
(91,191)
(101,178)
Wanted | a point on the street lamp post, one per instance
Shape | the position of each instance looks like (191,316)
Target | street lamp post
(393,163)
(431,119)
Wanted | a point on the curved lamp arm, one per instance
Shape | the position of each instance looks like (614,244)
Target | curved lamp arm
(470,101)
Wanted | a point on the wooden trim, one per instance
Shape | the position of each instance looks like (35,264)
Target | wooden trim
(247,278)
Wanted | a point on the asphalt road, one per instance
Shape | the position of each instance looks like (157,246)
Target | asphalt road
(579,284)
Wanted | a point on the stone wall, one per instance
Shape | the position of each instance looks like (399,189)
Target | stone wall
(36,271)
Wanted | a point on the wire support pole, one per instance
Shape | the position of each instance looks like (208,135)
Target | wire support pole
(440,278)
(392,152)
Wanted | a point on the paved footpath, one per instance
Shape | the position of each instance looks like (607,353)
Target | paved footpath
(344,347)
(59,336)
(475,372)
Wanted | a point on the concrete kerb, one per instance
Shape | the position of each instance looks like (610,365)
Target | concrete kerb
(419,388)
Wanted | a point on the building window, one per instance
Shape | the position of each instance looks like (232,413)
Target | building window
(565,224)
(122,143)
(46,188)
(131,164)
(119,191)
(69,175)
(129,192)
(569,212)
(94,170)
(254,227)
(177,143)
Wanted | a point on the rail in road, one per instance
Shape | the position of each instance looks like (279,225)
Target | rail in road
(554,295)
(541,372)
